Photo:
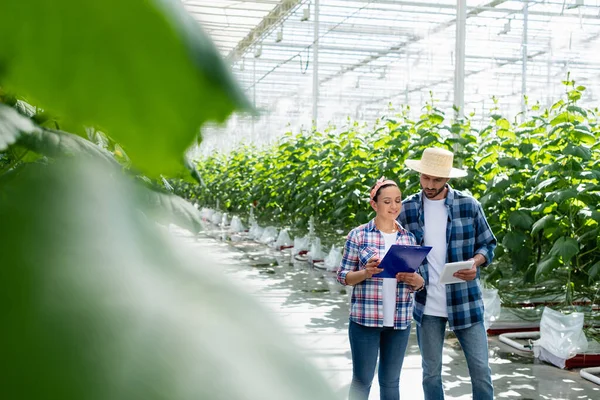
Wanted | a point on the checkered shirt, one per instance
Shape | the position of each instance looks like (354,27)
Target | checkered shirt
(467,233)
(366,309)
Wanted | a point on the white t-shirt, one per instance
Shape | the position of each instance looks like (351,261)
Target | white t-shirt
(436,220)
(389,285)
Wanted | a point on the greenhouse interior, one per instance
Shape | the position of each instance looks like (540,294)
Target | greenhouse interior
(280,199)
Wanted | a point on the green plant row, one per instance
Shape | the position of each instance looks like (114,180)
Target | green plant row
(537,180)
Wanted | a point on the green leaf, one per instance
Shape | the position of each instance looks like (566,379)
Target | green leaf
(436,118)
(520,219)
(146,83)
(514,240)
(574,95)
(546,266)
(52,143)
(566,248)
(584,136)
(563,126)
(594,271)
(525,148)
(546,221)
(168,208)
(11,125)
(544,184)
(560,118)
(559,196)
(577,110)
(578,151)
(99,298)
(503,123)
(509,162)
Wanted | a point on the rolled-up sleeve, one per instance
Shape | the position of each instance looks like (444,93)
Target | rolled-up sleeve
(485,241)
(350,260)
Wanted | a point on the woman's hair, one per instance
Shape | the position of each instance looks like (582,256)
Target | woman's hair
(379,189)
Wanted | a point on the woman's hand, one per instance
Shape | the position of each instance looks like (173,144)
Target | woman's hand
(413,279)
(372,267)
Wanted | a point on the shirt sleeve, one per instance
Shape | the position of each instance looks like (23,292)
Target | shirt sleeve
(485,241)
(349,257)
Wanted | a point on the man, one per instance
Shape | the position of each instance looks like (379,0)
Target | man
(452,223)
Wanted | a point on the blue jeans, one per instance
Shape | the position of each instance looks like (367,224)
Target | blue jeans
(473,341)
(365,343)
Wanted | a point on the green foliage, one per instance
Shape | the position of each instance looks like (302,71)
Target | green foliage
(97,302)
(537,180)
(99,299)
(146,84)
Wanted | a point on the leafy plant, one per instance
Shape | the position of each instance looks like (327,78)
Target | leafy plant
(537,181)
(97,302)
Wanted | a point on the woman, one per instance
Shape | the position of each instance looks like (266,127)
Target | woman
(381,309)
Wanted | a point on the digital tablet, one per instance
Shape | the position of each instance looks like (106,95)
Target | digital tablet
(447,275)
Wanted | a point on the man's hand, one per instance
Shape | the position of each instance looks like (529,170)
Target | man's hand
(470,274)
(467,274)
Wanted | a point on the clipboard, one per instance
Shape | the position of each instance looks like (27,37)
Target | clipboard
(447,275)
(402,258)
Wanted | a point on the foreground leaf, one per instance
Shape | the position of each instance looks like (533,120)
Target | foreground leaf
(141,70)
(97,304)
(53,143)
(11,125)
(168,208)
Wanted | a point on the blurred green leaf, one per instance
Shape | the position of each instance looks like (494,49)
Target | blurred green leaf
(53,143)
(146,83)
(168,208)
(11,125)
(110,308)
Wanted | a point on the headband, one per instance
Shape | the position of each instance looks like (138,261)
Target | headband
(381,182)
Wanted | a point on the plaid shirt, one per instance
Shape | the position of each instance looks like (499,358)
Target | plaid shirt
(467,233)
(362,244)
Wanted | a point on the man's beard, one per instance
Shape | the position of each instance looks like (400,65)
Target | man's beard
(434,195)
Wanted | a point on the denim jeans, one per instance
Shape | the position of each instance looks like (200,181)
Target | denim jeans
(473,341)
(365,343)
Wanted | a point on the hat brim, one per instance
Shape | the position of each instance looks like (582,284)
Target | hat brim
(416,165)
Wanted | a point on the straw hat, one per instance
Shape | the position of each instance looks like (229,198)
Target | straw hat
(436,162)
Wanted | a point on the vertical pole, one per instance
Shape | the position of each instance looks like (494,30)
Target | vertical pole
(549,95)
(524,62)
(315,86)
(253,97)
(459,57)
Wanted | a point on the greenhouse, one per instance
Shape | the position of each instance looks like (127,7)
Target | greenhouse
(300,199)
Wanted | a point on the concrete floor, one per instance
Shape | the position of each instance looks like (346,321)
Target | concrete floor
(314,308)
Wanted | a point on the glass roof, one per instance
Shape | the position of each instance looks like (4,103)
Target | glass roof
(375,52)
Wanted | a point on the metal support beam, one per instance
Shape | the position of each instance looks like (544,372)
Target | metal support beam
(279,13)
(524,62)
(315,88)
(397,48)
(459,57)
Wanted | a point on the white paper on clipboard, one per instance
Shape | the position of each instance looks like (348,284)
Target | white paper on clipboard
(449,270)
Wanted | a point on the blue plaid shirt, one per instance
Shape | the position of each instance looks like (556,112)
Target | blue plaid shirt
(467,233)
